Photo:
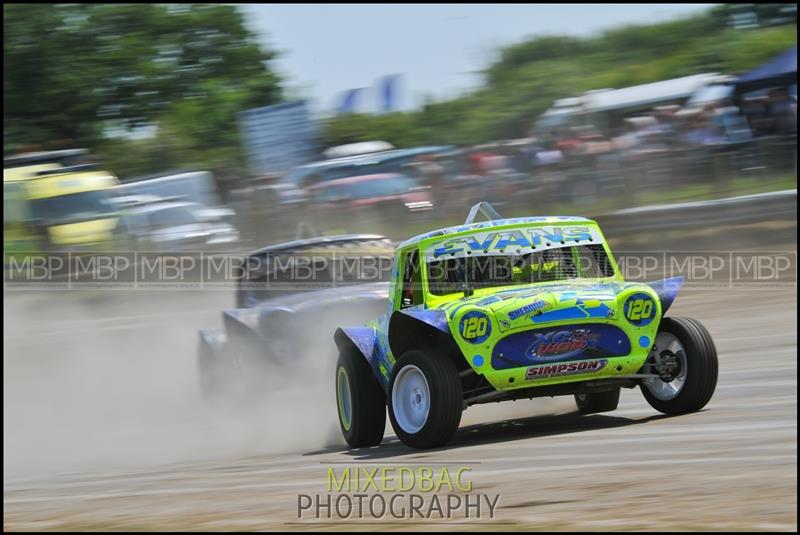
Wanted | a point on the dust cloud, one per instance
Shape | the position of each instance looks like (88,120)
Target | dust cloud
(106,381)
(111,383)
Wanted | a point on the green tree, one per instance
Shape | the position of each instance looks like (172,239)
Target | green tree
(528,76)
(73,71)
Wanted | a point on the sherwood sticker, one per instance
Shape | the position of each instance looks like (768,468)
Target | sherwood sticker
(531,308)
(565,368)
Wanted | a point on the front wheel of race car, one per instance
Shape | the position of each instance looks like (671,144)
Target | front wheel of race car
(425,399)
(685,359)
(361,402)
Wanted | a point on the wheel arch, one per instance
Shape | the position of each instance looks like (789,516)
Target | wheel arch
(356,341)
(426,330)
(667,290)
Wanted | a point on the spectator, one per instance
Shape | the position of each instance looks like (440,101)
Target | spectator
(782,114)
(568,141)
(755,108)
(704,132)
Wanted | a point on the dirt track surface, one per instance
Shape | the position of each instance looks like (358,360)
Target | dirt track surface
(731,466)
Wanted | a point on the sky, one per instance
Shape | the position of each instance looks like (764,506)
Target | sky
(326,49)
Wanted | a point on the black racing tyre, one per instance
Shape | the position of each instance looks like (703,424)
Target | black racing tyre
(425,399)
(594,402)
(361,402)
(688,365)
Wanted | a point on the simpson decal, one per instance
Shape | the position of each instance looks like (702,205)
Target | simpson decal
(565,368)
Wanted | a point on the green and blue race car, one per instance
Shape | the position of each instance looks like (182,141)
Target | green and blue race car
(507,309)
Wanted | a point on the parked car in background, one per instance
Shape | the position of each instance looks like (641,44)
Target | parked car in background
(379,197)
(373,190)
(131,201)
(289,189)
(191,186)
(176,226)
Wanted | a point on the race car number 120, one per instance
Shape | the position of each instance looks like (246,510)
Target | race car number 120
(475,327)
(639,309)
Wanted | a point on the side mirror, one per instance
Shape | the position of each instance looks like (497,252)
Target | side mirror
(467,289)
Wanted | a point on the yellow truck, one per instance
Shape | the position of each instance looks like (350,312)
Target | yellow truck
(49,206)
(26,165)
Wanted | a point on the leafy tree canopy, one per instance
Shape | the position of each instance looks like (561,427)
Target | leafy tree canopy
(74,72)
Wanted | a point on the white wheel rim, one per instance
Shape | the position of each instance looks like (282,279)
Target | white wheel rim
(411,399)
(660,389)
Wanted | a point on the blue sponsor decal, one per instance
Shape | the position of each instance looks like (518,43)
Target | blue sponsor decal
(499,241)
(579,311)
(475,327)
(558,344)
(489,224)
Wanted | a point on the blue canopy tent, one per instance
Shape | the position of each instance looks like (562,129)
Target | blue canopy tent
(781,71)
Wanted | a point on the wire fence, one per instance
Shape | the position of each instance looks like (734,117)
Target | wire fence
(585,184)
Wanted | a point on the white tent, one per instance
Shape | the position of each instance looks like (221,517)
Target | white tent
(647,95)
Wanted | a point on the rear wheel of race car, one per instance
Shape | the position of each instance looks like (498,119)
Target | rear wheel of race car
(685,358)
(594,402)
(425,399)
(361,402)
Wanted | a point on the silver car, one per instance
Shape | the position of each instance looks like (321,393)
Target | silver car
(176,226)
